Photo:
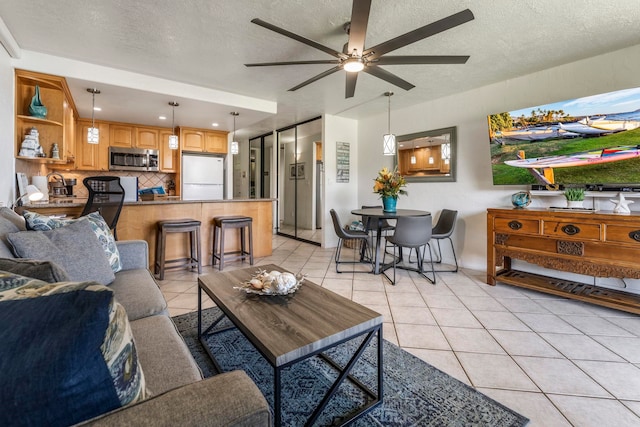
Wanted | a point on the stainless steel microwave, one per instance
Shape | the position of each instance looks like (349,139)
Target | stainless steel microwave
(133,159)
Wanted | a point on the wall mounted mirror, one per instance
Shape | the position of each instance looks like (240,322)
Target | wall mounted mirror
(427,156)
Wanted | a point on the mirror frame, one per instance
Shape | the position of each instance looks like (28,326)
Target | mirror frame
(453,141)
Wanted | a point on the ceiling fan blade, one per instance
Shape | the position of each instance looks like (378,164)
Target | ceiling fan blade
(318,77)
(298,38)
(350,90)
(358,27)
(428,59)
(388,77)
(420,33)
(268,64)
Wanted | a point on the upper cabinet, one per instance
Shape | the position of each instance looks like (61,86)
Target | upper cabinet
(121,135)
(92,157)
(169,159)
(208,141)
(147,137)
(53,116)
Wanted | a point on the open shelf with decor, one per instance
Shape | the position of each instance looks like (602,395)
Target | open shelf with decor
(55,126)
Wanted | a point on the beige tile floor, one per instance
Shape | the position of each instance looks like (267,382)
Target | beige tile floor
(558,362)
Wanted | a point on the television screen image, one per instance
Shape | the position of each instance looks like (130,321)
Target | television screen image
(594,140)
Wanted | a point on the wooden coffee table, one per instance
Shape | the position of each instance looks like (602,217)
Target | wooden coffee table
(290,329)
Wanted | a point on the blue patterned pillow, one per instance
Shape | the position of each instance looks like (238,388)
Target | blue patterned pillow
(36,221)
(68,354)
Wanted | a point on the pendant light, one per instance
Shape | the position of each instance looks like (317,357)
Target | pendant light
(413,159)
(235,147)
(389,139)
(173,138)
(446,150)
(93,134)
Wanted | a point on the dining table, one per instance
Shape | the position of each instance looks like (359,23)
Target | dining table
(378,215)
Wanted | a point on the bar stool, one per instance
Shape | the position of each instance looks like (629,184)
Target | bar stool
(220,224)
(186,225)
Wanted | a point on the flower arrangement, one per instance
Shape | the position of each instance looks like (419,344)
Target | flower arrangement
(389,184)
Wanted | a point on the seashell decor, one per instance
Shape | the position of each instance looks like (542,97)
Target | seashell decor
(272,283)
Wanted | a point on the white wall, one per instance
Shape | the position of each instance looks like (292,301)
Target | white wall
(341,196)
(7,169)
(473,191)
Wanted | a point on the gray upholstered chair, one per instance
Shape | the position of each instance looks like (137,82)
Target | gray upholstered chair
(413,232)
(443,230)
(343,235)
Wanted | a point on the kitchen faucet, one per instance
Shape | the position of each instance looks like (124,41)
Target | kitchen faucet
(57,175)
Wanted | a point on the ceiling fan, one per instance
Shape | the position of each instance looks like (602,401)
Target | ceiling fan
(355,57)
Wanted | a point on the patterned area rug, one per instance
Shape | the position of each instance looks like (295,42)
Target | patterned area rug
(415,393)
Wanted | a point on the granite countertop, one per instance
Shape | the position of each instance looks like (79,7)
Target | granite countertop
(74,203)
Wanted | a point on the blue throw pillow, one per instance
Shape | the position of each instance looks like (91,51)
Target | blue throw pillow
(66,354)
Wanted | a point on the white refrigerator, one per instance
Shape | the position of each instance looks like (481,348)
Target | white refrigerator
(202,177)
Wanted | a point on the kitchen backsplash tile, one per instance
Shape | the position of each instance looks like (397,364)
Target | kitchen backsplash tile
(145,179)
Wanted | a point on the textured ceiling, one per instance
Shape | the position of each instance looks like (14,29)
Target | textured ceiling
(205,43)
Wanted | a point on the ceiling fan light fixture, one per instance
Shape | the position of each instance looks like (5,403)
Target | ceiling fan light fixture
(353,65)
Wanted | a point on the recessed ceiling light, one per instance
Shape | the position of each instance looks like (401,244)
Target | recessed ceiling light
(215,125)
(162,117)
(97,109)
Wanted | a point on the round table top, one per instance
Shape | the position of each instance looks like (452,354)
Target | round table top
(380,213)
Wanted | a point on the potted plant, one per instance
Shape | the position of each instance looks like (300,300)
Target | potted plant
(389,185)
(574,196)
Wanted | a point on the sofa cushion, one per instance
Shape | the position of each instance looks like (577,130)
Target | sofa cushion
(10,222)
(163,353)
(73,247)
(38,222)
(138,292)
(47,271)
(67,356)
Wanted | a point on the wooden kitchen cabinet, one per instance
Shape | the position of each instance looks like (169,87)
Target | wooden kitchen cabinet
(215,142)
(121,135)
(600,244)
(201,140)
(93,157)
(169,159)
(192,139)
(146,137)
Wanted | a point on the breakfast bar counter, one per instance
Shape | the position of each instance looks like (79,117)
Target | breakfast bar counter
(138,222)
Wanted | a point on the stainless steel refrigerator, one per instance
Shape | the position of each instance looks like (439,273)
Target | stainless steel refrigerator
(202,177)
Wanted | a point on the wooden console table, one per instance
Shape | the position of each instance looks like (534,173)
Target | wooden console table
(599,244)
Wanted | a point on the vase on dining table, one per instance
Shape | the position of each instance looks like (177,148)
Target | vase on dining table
(389,203)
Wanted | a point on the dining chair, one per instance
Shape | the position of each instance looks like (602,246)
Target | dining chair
(371,225)
(443,230)
(413,232)
(343,235)
(106,196)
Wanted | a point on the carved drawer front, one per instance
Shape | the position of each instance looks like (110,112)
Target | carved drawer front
(517,225)
(577,230)
(623,234)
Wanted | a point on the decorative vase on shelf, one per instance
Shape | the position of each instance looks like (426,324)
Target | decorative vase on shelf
(36,109)
(389,203)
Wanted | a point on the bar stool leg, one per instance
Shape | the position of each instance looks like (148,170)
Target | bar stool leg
(198,250)
(215,245)
(243,251)
(222,233)
(162,245)
(250,244)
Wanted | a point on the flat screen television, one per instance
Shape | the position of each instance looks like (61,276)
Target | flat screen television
(592,141)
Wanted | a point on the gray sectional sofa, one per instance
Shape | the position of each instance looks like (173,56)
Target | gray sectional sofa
(178,393)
